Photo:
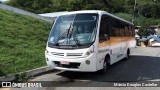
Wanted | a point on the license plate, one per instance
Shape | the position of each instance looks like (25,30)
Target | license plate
(65,62)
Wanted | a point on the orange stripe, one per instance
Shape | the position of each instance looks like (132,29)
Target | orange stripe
(115,40)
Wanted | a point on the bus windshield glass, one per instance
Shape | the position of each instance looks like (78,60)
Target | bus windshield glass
(74,30)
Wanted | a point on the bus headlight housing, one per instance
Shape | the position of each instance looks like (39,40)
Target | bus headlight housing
(88,53)
(47,52)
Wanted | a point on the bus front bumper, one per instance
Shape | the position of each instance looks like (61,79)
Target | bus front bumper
(73,64)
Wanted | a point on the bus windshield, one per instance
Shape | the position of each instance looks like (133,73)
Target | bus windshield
(74,30)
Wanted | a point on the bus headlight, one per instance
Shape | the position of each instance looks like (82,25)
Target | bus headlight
(89,53)
(47,59)
(47,52)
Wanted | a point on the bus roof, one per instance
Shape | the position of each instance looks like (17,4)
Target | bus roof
(100,12)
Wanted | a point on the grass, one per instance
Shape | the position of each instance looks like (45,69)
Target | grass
(22,42)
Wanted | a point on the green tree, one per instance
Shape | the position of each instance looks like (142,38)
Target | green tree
(145,29)
(74,5)
(148,9)
(36,6)
(59,5)
(87,5)
(145,8)
(117,6)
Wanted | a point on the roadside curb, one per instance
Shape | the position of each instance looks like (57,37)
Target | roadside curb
(8,78)
(39,71)
(30,73)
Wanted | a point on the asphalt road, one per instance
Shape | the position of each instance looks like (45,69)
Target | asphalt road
(143,65)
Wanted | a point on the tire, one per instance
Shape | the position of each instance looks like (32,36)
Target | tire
(127,55)
(105,66)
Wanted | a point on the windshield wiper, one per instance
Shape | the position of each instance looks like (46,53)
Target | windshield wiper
(56,42)
(59,38)
(75,38)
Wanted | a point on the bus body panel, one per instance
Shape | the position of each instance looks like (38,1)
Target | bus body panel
(115,48)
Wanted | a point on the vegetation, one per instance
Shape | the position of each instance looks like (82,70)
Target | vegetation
(22,42)
(144,8)
(23,38)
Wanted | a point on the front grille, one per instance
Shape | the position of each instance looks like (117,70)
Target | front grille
(74,54)
(57,54)
(71,65)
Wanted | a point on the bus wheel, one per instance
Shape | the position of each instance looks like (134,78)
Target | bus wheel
(105,66)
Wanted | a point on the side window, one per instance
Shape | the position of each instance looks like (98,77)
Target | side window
(133,30)
(105,26)
(115,32)
(127,32)
(122,30)
(130,31)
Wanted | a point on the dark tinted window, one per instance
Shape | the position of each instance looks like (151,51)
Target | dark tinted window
(105,28)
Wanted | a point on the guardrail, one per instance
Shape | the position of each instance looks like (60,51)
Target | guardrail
(20,11)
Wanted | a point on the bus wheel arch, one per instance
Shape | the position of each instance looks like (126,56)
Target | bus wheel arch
(106,64)
(108,59)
